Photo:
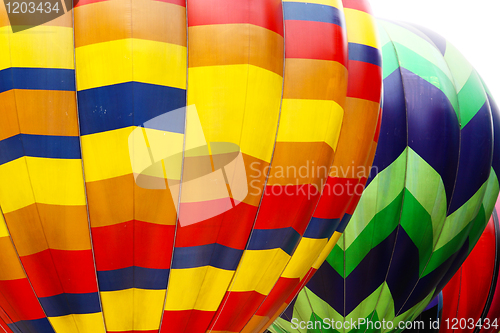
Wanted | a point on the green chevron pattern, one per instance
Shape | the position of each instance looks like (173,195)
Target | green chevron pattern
(421,215)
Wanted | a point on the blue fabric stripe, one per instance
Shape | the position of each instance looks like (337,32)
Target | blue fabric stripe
(344,222)
(150,278)
(321,228)
(299,11)
(266,239)
(131,104)
(118,279)
(65,304)
(133,277)
(215,255)
(37,79)
(46,146)
(11,149)
(365,53)
(33,326)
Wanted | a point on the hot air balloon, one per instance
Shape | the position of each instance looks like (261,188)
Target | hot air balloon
(163,163)
(428,201)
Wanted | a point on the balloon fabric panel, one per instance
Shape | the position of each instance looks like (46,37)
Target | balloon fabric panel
(430,198)
(142,148)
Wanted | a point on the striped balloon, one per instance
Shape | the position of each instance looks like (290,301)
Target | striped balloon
(425,206)
(165,165)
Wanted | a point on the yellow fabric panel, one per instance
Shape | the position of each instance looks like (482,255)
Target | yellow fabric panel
(4,232)
(78,323)
(14,175)
(365,33)
(304,257)
(133,309)
(106,154)
(249,274)
(128,60)
(145,143)
(303,120)
(9,261)
(57,181)
(41,46)
(333,3)
(148,309)
(326,251)
(200,288)
(229,97)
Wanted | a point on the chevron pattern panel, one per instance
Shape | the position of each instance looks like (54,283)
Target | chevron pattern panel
(428,199)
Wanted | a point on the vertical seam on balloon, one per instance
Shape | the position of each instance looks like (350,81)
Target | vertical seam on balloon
(211,158)
(83,173)
(405,178)
(236,273)
(35,203)
(133,184)
(160,330)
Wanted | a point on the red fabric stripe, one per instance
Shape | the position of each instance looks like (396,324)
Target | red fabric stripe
(196,212)
(469,288)
(315,40)
(113,246)
(277,296)
(336,197)
(264,13)
(220,229)
(299,200)
(42,274)
(19,301)
(357,195)
(133,243)
(186,321)
(361,5)
(153,245)
(238,308)
(364,72)
(76,271)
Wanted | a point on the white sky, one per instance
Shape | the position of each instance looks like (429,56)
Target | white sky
(473,26)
